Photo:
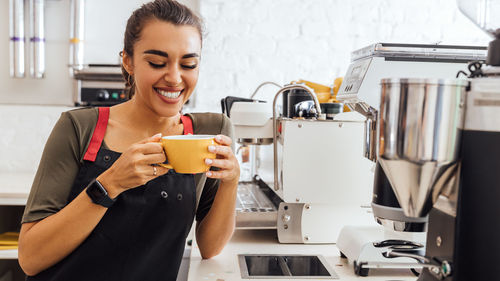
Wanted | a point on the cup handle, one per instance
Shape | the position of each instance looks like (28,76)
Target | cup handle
(168,166)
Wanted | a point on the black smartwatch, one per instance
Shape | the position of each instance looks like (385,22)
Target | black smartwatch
(98,194)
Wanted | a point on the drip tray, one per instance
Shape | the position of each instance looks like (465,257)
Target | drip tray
(285,267)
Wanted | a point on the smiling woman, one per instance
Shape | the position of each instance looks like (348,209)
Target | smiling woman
(163,70)
(100,207)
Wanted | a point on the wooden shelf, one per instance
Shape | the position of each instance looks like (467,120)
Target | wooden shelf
(8,254)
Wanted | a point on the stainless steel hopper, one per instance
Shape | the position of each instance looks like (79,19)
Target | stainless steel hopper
(418,138)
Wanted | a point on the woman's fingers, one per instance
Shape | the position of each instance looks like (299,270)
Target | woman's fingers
(160,171)
(222,174)
(231,175)
(149,172)
(220,163)
(224,151)
(226,161)
(223,140)
(150,148)
(149,159)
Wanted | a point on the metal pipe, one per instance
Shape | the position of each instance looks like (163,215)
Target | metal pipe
(16,34)
(37,38)
(263,84)
(275,125)
(77,33)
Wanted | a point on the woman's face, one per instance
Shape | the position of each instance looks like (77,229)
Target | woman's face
(165,66)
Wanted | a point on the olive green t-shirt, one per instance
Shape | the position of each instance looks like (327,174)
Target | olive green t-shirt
(63,156)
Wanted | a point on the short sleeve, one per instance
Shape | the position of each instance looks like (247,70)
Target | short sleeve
(56,172)
(212,185)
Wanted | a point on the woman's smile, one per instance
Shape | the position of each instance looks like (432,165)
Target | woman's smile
(169,95)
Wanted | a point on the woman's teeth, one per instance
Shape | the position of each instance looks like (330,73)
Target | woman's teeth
(170,95)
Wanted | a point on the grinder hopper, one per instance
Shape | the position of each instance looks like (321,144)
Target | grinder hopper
(419,122)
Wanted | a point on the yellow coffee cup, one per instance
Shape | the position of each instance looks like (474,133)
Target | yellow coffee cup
(186,154)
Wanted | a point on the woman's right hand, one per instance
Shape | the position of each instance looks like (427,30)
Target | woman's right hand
(134,167)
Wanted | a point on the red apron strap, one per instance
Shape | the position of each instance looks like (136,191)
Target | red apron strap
(98,135)
(188,124)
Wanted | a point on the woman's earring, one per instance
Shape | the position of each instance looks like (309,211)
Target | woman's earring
(131,84)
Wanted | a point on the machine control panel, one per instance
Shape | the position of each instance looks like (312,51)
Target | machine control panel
(353,79)
(102,96)
(99,93)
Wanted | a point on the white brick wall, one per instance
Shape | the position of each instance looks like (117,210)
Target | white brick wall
(24,129)
(252,41)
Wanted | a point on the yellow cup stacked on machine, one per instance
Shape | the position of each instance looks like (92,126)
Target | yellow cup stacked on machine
(326,94)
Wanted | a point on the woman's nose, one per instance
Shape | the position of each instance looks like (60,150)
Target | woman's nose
(173,75)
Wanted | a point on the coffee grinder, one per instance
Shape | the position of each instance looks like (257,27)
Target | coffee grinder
(438,145)
(364,246)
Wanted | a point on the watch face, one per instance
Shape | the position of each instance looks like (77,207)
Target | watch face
(98,194)
(97,191)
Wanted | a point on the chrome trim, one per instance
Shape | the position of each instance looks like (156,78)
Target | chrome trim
(289,223)
(402,225)
(283,265)
(77,33)
(16,38)
(37,38)
(371,123)
(421,51)
(255,141)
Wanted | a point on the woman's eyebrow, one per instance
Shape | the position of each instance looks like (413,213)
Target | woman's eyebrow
(192,55)
(156,52)
(164,54)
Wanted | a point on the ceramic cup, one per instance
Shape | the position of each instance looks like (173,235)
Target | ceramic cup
(186,154)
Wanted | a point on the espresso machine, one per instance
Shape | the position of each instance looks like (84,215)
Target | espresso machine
(315,172)
(438,145)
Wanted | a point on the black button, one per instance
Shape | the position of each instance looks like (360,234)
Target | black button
(106,158)
(179,196)
(164,194)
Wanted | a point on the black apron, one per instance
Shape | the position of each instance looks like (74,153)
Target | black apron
(141,237)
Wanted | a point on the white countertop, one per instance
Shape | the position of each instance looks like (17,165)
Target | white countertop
(15,188)
(225,267)
(8,254)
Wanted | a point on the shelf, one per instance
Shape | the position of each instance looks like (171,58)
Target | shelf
(15,188)
(8,254)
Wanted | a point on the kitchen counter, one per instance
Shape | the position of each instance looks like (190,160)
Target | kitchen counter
(225,267)
(15,188)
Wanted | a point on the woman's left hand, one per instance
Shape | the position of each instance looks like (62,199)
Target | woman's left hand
(226,161)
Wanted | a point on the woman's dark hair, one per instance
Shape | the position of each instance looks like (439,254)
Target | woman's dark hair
(169,11)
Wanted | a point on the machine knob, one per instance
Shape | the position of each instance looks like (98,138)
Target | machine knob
(102,95)
(286,218)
